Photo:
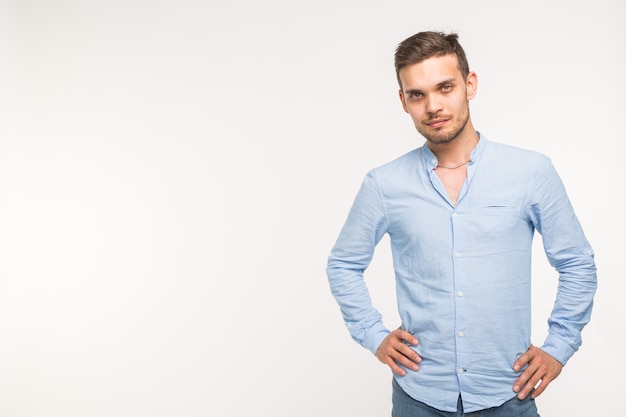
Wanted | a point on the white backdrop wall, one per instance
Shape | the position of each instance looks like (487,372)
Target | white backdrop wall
(173,175)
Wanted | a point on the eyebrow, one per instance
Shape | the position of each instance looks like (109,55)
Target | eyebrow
(412,91)
(448,81)
(442,83)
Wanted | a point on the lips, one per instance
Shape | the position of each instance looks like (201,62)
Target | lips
(437,123)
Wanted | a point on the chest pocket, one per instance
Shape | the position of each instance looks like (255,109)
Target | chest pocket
(496,219)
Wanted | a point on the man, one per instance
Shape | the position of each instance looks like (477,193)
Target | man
(461,212)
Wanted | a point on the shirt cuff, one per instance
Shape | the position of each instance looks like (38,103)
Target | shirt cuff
(558,349)
(375,336)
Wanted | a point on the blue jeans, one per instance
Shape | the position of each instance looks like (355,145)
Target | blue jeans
(405,406)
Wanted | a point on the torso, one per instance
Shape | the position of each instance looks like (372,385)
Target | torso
(452,180)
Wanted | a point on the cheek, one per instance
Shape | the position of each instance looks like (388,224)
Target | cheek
(415,112)
(416,117)
(459,106)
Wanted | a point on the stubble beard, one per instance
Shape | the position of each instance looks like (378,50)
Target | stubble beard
(441,137)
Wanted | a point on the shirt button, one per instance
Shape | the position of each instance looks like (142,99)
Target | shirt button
(457,254)
(455,215)
(461,334)
(460,370)
(460,293)
(434,161)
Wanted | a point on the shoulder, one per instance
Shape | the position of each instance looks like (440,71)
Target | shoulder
(396,173)
(515,157)
(498,149)
(403,164)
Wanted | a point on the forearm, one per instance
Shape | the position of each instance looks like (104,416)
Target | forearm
(363,321)
(572,310)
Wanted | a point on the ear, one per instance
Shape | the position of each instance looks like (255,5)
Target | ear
(471,85)
(402,100)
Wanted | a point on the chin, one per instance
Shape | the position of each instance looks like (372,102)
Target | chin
(439,137)
(440,141)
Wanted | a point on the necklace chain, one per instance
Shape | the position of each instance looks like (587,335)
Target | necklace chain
(456,166)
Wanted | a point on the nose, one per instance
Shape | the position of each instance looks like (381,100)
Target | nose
(433,104)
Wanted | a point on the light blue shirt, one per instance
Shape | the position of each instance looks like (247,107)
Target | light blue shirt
(463,273)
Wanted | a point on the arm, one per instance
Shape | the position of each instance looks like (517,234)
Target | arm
(351,255)
(571,255)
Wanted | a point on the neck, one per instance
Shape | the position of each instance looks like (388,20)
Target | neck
(457,151)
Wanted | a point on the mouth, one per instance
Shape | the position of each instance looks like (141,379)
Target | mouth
(437,123)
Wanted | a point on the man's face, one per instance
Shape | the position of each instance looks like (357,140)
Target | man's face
(437,98)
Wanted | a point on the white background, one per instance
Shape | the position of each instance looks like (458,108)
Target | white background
(173,175)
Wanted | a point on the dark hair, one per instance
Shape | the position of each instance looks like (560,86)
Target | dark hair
(424,45)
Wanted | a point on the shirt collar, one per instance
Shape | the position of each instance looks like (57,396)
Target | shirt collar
(430,160)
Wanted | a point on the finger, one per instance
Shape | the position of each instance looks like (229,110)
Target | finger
(395,354)
(533,375)
(539,389)
(399,339)
(409,353)
(524,359)
(391,360)
(524,378)
(406,361)
(401,364)
(400,345)
(396,369)
(530,385)
(544,381)
(399,352)
(520,362)
(408,337)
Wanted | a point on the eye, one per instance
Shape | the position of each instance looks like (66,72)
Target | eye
(446,88)
(414,95)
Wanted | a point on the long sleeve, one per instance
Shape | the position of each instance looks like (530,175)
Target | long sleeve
(350,257)
(463,273)
(568,251)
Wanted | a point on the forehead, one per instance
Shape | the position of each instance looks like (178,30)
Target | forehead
(430,72)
